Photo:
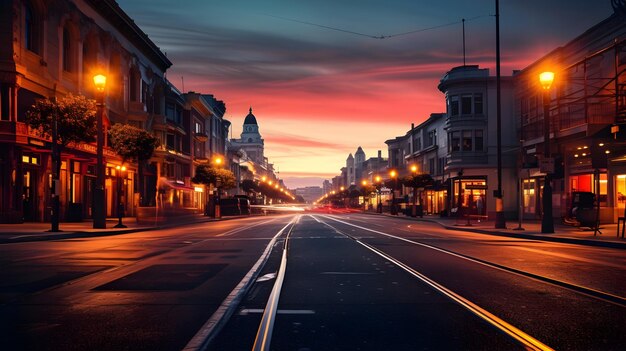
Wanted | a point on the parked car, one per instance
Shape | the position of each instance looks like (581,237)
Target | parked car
(230,207)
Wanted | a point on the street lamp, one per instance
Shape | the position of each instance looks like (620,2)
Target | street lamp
(364,184)
(547,222)
(379,206)
(99,203)
(394,175)
(218,161)
(414,207)
(120,193)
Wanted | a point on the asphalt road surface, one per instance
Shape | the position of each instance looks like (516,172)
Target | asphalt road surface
(316,282)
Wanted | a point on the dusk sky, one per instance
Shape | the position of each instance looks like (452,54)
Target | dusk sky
(320,93)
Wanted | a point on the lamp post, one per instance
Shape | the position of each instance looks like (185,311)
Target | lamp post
(218,161)
(99,203)
(414,207)
(120,193)
(394,175)
(547,222)
(364,184)
(379,206)
(500,221)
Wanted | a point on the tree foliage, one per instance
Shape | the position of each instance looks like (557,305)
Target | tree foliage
(132,143)
(418,180)
(75,119)
(206,174)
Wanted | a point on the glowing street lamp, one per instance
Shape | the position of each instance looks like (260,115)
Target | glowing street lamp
(379,206)
(547,222)
(99,202)
(414,206)
(394,175)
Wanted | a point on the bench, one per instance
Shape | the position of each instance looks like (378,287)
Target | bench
(474,216)
(623,221)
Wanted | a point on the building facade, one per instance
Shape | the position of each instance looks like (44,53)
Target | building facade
(587,121)
(51,49)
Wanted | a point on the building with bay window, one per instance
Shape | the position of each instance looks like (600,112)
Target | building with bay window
(470,128)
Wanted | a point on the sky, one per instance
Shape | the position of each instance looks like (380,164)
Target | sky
(319,93)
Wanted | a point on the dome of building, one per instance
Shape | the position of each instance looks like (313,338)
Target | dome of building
(250,119)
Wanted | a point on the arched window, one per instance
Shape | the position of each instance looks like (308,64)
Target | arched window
(67,50)
(31,29)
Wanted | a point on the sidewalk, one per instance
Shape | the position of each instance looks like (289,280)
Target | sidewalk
(36,231)
(532,230)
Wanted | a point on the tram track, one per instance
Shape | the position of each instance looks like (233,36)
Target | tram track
(589,292)
(529,342)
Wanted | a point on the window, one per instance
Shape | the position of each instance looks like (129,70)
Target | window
(478,140)
(431,165)
(432,138)
(478,104)
(171,141)
(442,165)
(466,104)
(198,127)
(67,65)
(4,102)
(417,143)
(170,111)
(467,140)
(455,141)
(454,105)
(31,29)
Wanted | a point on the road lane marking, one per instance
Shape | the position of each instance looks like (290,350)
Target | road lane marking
(517,334)
(264,334)
(207,332)
(247,311)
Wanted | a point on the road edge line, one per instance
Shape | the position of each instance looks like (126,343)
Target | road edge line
(213,325)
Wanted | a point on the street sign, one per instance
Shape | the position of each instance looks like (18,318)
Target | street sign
(546,165)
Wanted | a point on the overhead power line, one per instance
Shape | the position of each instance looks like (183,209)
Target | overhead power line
(374,36)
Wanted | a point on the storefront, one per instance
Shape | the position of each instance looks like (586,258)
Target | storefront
(469,195)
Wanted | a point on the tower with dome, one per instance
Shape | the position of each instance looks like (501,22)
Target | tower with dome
(251,141)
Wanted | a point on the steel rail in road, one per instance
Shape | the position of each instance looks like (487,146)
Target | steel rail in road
(590,292)
(264,334)
(211,327)
(517,334)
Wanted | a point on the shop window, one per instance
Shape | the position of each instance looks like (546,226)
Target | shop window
(620,192)
(530,199)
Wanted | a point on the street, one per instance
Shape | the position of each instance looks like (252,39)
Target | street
(345,282)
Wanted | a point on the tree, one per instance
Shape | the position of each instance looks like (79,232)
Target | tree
(133,144)
(417,181)
(70,120)
(219,177)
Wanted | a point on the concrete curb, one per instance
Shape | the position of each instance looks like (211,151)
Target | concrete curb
(88,234)
(537,237)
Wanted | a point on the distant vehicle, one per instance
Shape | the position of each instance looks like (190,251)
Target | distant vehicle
(244,204)
(230,207)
